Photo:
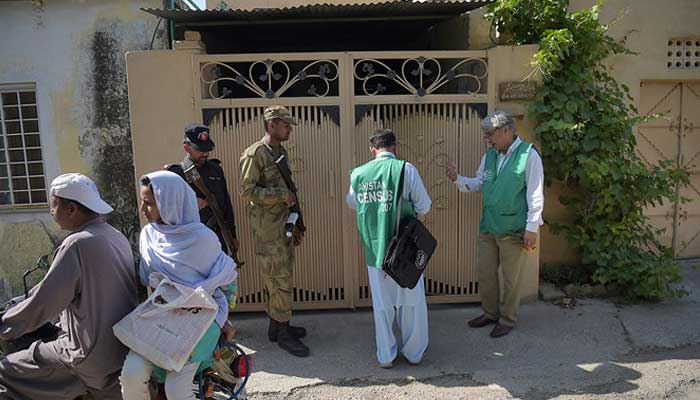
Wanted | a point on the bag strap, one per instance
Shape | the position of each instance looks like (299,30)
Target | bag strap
(400,194)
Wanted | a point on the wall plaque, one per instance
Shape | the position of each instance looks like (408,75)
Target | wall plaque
(516,91)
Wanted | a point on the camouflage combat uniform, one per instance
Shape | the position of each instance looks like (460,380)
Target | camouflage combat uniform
(265,193)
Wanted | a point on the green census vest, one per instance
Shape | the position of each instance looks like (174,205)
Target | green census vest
(505,203)
(376,185)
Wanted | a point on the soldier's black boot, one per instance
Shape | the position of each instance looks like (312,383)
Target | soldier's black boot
(289,343)
(272,330)
(296,331)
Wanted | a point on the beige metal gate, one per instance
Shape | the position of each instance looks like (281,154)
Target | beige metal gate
(433,100)
(676,137)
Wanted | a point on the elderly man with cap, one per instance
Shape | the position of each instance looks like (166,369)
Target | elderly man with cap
(511,180)
(91,284)
(373,193)
(198,144)
(263,188)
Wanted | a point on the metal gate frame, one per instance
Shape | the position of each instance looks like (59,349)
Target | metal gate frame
(673,137)
(347,100)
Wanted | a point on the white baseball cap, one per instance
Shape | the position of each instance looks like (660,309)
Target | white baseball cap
(80,188)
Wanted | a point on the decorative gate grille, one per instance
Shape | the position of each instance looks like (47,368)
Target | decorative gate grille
(434,102)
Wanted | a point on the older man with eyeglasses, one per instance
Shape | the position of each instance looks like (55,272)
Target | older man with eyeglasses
(511,180)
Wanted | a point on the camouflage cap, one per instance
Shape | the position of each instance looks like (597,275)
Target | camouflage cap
(496,120)
(280,112)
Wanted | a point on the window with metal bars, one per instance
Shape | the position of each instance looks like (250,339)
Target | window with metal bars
(22,176)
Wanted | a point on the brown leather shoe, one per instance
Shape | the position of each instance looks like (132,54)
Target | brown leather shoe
(481,320)
(500,330)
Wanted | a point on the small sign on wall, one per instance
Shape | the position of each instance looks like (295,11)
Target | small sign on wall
(516,91)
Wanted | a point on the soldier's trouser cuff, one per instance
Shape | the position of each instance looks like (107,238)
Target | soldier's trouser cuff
(280,317)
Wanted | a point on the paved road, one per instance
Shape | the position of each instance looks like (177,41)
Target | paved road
(596,350)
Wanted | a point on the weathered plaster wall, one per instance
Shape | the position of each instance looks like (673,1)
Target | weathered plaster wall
(73,50)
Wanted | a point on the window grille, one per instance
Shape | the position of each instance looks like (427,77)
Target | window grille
(683,53)
(22,175)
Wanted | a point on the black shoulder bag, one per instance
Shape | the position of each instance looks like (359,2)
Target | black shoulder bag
(410,249)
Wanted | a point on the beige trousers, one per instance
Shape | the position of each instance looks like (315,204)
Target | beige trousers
(500,293)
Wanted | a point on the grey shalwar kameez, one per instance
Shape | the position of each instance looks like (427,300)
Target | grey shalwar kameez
(92,285)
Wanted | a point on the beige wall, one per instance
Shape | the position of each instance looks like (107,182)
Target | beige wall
(161,103)
(479,30)
(646,26)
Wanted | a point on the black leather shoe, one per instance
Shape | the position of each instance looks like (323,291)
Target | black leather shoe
(480,321)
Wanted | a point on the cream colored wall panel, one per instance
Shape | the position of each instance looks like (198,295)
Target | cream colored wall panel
(674,136)
(688,241)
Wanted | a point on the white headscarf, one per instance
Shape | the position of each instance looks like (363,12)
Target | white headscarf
(182,248)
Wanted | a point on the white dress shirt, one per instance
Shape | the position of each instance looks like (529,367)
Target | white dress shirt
(413,189)
(534,181)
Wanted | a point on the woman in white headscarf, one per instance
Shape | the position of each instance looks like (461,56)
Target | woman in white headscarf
(176,244)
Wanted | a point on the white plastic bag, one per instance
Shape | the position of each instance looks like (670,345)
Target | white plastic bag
(166,327)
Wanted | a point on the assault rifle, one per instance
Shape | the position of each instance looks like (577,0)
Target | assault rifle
(283,167)
(193,177)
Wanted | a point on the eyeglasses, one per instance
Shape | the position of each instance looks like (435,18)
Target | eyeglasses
(489,135)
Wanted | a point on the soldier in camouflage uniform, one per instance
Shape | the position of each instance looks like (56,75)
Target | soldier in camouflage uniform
(269,199)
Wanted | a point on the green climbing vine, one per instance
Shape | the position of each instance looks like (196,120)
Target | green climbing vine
(585,128)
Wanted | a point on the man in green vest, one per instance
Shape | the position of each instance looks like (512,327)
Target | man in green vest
(511,180)
(374,193)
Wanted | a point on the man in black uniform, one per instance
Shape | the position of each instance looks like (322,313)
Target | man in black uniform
(197,145)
